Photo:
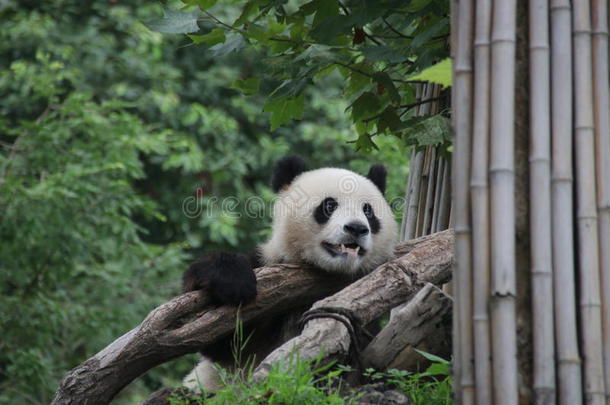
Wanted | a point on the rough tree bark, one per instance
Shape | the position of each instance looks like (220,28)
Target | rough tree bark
(367,299)
(423,323)
(187,323)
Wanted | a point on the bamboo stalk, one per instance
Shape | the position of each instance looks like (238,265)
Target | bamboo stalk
(433,184)
(415,205)
(414,191)
(502,202)
(423,192)
(462,110)
(427,220)
(540,205)
(405,213)
(479,191)
(568,357)
(445,203)
(423,110)
(599,14)
(588,254)
(429,205)
(436,207)
(457,355)
(410,185)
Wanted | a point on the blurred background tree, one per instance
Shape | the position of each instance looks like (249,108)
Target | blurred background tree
(106,130)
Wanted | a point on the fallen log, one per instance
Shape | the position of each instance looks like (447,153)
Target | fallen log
(188,323)
(367,299)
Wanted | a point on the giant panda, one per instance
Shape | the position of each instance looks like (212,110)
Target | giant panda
(334,219)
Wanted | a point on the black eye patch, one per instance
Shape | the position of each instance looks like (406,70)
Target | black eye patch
(370,216)
(325,210)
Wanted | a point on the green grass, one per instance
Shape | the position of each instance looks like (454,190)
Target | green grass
(301,382)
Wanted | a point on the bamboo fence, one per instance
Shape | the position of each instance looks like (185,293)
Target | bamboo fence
(565,358)
(428,191)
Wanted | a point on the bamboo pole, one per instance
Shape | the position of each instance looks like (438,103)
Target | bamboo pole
(422,111)
(502,199)
(462,110)
(423,192)
(456,344)
(445,203)
(432,169)
(568,357)
(414,209)
(406,219)
(540,205)
(437,193)
(588,254)
(408,190)
(599,19)
(413,201)
(479,191)
(434,174)
(427,220)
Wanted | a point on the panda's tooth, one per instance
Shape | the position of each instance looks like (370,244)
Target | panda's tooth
(342,247)
(357,249)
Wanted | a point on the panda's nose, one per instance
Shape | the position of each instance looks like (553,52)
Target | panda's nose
(356,229)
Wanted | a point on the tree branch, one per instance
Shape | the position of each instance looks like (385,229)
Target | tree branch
(188,323)
(391,284)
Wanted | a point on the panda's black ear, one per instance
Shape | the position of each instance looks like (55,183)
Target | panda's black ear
(377,174)
(285,170)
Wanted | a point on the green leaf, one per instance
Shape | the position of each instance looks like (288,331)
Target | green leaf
(292,87)
(383,53)
(248,86)
(388,120)
(316,51)
(365,106)
(216,36)
(328,30)
(432,130)
(365,143)
(205,4)
(432,357)
(357,82)
(439,73)
(249,9)
(437,369)
(365,11)
(385,80)
(426,35)
(233,42)
(284,109)
(176,22)
(324,10)
(202,4)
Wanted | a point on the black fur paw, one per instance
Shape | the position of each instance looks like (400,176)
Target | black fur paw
(229,277)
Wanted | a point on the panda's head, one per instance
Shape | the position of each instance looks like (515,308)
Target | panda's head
(332,218)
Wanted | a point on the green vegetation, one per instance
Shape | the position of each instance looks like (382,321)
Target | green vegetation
(108,129)
(380,49)
(309,383)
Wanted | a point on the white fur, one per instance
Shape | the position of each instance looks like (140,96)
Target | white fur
(203,376)
(298,238)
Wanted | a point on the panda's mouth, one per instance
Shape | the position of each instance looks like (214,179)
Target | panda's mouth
(344,249)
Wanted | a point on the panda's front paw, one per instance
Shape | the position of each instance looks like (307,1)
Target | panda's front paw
(229,277)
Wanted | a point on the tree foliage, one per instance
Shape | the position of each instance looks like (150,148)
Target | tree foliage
(380,49)
(106,130)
